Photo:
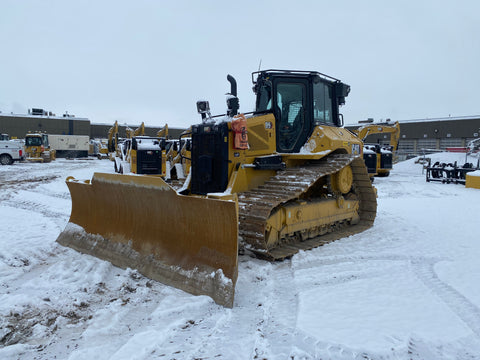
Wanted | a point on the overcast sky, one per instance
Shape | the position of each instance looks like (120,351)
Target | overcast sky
(150,61)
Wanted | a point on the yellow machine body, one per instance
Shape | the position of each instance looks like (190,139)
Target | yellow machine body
(394,132)
(472,180)
(37,148)
(268,201)
(141,222)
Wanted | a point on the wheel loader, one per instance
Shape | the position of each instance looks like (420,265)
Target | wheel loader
(283,178)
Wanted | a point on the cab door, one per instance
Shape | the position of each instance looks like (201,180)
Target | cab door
(292,113)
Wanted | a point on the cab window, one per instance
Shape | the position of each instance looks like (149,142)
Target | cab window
(264,98)
(323,104)
(33,141)
(291,107)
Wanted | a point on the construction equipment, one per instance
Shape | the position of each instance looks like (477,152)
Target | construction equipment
(384,158)
(473,147)
(140,131)
(37,148)
(179,163)
(450,173)
(98,148)
(284,178)
(473,180)
(141,155)
(163,132)
(175,167)
(112,141)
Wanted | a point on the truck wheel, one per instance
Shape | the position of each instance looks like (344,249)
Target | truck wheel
(6,159)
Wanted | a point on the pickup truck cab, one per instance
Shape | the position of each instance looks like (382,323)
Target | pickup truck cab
(11,151)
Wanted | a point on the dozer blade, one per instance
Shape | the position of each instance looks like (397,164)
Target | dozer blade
(140,222)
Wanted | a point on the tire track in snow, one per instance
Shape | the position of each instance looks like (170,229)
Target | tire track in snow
(357,271)
(9,188)
(49,193)
(282,336)
(59,218)
(423,268)
(278,332)
(464,349)
(252,314)
(120,305)
(248,315)
(468,312)
(279,337)
(206,330)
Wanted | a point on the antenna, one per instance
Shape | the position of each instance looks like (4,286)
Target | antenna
(260,64)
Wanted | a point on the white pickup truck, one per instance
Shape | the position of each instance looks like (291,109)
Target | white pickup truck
(10,151)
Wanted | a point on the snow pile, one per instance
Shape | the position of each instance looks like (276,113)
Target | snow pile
(474,173)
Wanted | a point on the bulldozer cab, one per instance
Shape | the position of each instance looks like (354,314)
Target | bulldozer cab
(37,139)
(300,101)
(33,141)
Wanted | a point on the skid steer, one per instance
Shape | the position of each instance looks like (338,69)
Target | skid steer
(284,178)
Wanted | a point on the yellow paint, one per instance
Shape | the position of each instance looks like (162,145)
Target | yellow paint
(472,181)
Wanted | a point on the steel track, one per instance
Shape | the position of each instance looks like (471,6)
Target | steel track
(255,206)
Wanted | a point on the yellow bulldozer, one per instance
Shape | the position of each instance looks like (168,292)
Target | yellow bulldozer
(37,148)
(284,178)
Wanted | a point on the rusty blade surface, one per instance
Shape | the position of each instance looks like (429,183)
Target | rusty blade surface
(142,223)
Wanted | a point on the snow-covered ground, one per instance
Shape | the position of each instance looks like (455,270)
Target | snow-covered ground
(408,288)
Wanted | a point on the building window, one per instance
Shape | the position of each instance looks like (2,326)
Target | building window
(425,135)
(449,135)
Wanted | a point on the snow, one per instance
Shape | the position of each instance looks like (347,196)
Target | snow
(405,289)
(148,144)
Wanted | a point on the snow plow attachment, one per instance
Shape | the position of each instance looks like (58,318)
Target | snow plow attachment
(141,222)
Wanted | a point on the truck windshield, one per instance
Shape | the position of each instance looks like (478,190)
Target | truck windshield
(33,141)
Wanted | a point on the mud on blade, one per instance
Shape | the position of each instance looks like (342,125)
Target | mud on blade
(142,223)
